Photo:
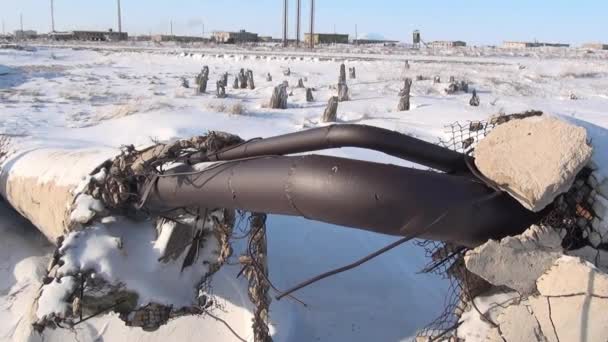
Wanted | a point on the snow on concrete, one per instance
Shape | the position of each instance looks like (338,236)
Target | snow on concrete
(534,159)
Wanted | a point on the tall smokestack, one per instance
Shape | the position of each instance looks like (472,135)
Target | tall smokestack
(298,17)
(52,17)
(285,30)
(312,24)
(119,19)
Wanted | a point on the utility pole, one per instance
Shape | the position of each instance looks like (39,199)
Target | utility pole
(299,15)
(171,25)
(3,30)
(356,35)
(285,20)
(52,17)
(119,19)
(312,24)
(203,30)
(21,22)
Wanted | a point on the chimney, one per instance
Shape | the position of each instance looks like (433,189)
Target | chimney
(285,9)
(119,19)
(298,14)
(312,24)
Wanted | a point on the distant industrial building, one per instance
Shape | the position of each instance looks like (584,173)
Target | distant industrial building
(447,44)
(235,37)
(523,45)
(25,34)
(595,46)
(269,39)
(326,38)
(518,45)
(180,39)
(101,36)
(375,41)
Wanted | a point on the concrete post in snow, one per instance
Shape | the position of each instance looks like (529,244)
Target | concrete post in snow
(343,94)
(342,78)
(404,100)
(235,84)
(309,97)
(352,73)
(279,97)
(331,111)
(242,79)
(250,82)
(474,99)
(220,89)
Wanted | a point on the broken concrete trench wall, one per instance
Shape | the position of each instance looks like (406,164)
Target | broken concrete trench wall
(550,282)
(80,200)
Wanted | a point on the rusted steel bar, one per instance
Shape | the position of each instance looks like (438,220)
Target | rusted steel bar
(382,198)
(335,136)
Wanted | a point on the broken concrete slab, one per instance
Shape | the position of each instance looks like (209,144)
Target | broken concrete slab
(534,159)
(579,318)
(540,310)
(516,262)
(573,276)
(518,324)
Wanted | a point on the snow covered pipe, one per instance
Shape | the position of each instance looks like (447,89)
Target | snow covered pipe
(382,198)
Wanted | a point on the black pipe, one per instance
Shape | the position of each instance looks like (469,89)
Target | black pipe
(381,198)
(335,136)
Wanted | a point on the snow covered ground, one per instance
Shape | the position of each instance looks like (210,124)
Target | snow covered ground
(61,97)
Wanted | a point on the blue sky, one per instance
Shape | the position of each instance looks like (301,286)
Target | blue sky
(475,21)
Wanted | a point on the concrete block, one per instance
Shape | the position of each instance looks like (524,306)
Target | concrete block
(518,324)
(534,159)
(516,262)
(580,318)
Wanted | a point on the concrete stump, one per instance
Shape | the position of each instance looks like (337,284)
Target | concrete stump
(331,111)
(279,97)
(202,85)
(220,90)
(300,83)
(250,82)
(242,79)
(343,94)
(268,77)
(342,78)
(404,101)
(309,97)
(235,83)
(474,99)
(352,73)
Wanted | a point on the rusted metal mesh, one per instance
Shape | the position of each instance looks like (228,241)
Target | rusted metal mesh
(572,214)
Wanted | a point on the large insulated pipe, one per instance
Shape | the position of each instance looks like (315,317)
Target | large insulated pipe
(335,136)
(381,198)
